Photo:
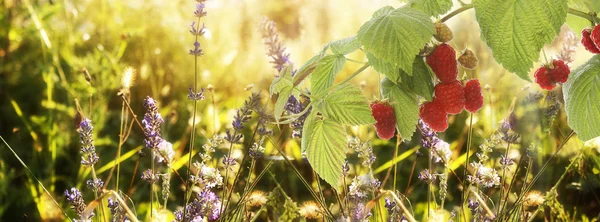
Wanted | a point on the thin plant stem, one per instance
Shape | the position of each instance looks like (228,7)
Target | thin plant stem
(456,12)
(503,179)
(466,167)
(35,178)
(398,141)
(320,189)
(312,192)
(188,192)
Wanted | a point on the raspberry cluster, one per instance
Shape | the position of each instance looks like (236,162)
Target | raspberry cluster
(549,74)
(450,97)
(590,39)
(385,124)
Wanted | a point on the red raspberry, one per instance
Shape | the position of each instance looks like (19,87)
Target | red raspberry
(434,115)
(595,36)
(586,41)
(383,113)
(443,63)
(473,97)
(451,95)
(542,79)
(560,71)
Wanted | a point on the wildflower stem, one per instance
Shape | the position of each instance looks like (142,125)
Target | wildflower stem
(193,131)
(96,194)
(466,168)
(503,179)
(407,213)
(226,181)
(483,203)
(35,178)
(320,189)
(312,192)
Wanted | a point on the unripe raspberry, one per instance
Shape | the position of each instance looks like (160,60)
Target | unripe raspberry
(468,60)
(442,32)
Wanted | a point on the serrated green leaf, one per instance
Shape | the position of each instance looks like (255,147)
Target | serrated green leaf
(405,104)
(585,5)
(345,45)
(384,68)
(325,72)
(282,81)
(282,99)
(421,80)
(517,30)
(582,93)
(396,35)
(308,67)
(432,7)
(347,105)
(325,143)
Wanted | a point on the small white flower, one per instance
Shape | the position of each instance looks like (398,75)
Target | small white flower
(165,150)
(441,152)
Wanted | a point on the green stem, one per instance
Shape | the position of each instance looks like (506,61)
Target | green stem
(193,131)
(358,71)
(589,16)
(456,12)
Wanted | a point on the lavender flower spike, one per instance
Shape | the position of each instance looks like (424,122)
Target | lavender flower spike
(76,201)
(152,121)
(88,150)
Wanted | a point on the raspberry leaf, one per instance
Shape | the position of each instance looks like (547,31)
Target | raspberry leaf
(396,35)
(585,5)
(582,93)
(517,30)
(432,7)
(385,68)
(282,99)
(325,72)
(325,142)
(406,106)
(308,67)
(345,46)
(282,81)
(347,105)
(421,79)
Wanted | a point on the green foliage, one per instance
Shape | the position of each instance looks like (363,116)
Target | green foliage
(345,45)
(325,144)
(325,72)
(582,93)
(282,86)
(384,68)
(432,7)
(517,30)
(406,106)
(585,5)
(421,79)
(347,105)
(396,35)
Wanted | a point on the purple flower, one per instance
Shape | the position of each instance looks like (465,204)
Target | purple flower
(197,51)
(199,12)
(430,138)
(76,201)
(195,31)
(149,176)
(345,168)
(275,49)
(196,96)
(95,184)
(229,162)
(88,150)
(206,205)
(152,121)
(118,214)
(426,176)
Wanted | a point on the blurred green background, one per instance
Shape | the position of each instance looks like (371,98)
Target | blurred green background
(45,45)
